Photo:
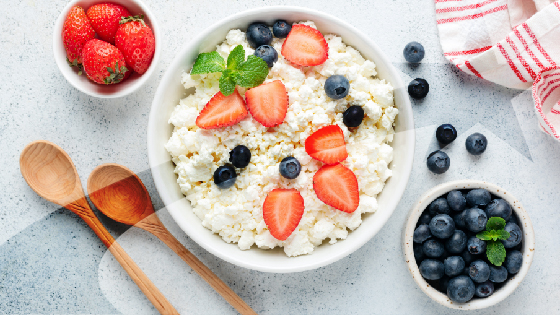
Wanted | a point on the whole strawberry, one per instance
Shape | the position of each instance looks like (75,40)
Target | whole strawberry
(76,32)
(105,18)
(103,63)
(137,43)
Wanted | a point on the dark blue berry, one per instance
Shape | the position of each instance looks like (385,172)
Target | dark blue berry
(446,133)
(456,200)
(475,220)
(418,252)
(432,248)
(460,219)
(425,218)
(443,283)
(512,219)
(499,208)
(484,289)
(413,52)
(431,269)
(439,206)
(453,265)
(281,29)
(438,162)
(515,235)
(467,257)
(514,261)
(479,271)
(418,88)
(460,289)
(290,167)
(476,143)
(224,176)
(457,243)
(240,156)
(478,197)
(353,116)
(268,54)
(442,226)
(337,87)
(258,34)
(476,246)
(498,274)
(421,233)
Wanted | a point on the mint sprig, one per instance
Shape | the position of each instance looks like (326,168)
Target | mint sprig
(495,250)
(237,71)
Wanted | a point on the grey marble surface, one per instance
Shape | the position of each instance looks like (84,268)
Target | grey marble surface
(50,262)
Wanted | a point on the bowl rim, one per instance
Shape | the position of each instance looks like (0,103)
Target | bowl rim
(528,248)
(168,200)
(61,60)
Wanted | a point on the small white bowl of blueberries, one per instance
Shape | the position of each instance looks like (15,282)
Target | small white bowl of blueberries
(468,244)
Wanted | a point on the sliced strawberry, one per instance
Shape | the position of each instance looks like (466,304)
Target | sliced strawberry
(337,186)
(305,46)
(282,211)
(222,111)
(268,103)
(327,145)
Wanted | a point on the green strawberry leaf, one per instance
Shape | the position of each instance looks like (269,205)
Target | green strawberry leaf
(495,223)
(493,235)
(208,63)
(227,82)
(236,57)
(252,72)
(496,252)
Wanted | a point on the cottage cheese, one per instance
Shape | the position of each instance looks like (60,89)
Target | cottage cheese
(236,213)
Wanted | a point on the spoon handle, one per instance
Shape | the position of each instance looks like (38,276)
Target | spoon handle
(82,209)
(153,225)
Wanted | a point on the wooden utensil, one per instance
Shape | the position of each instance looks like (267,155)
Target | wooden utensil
(120,194)
(49,171)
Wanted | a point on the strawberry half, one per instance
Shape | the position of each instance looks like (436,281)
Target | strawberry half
(305,46)
(76,32)
(222,111)
(105,18)
(268,103)
(327,145)
(282,211)
(337,186)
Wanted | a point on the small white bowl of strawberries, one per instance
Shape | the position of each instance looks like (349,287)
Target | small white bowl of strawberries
(106,49)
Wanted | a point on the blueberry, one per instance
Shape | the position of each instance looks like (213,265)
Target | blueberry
(337,87)
(432,248)
(479,271)
(457,242)
(512,219)
(499,208)
(476,143)
(498,274)
(442,226)
(281,29)
(456,200)
(268,54)
(514,261)
(478,197)
(413,52)
(353,116)
(431,269)
(439,206)
(240,156)
(460,289)
(446,133)
(438,162)
(421,233)
(425,219)
(290,167)
(484,289)
(475,220)
(418,88)
(418,252)
(476,246)
(258,34)
(225,176)
(515,235)
(453,265)
(467,257)
(460,219)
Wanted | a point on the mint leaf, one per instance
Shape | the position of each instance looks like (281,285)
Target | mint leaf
(252,72)
(503,235)
(495,223)
(227,83)
(208,63)
(493,235)
(484,235)
(236,57)
(496,252)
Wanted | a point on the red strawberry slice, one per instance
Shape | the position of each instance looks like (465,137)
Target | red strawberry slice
(268,103)
(282,211)
(337,186)
(327,145)
(222,111)
(305,46)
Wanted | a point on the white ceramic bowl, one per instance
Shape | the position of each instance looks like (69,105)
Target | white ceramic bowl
(528,244)
(170,91)
(81,82)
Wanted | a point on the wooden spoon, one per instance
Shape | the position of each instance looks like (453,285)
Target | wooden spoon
(49,171)
(120,194)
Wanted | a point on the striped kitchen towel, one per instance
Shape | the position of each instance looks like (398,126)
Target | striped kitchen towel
(515,43)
